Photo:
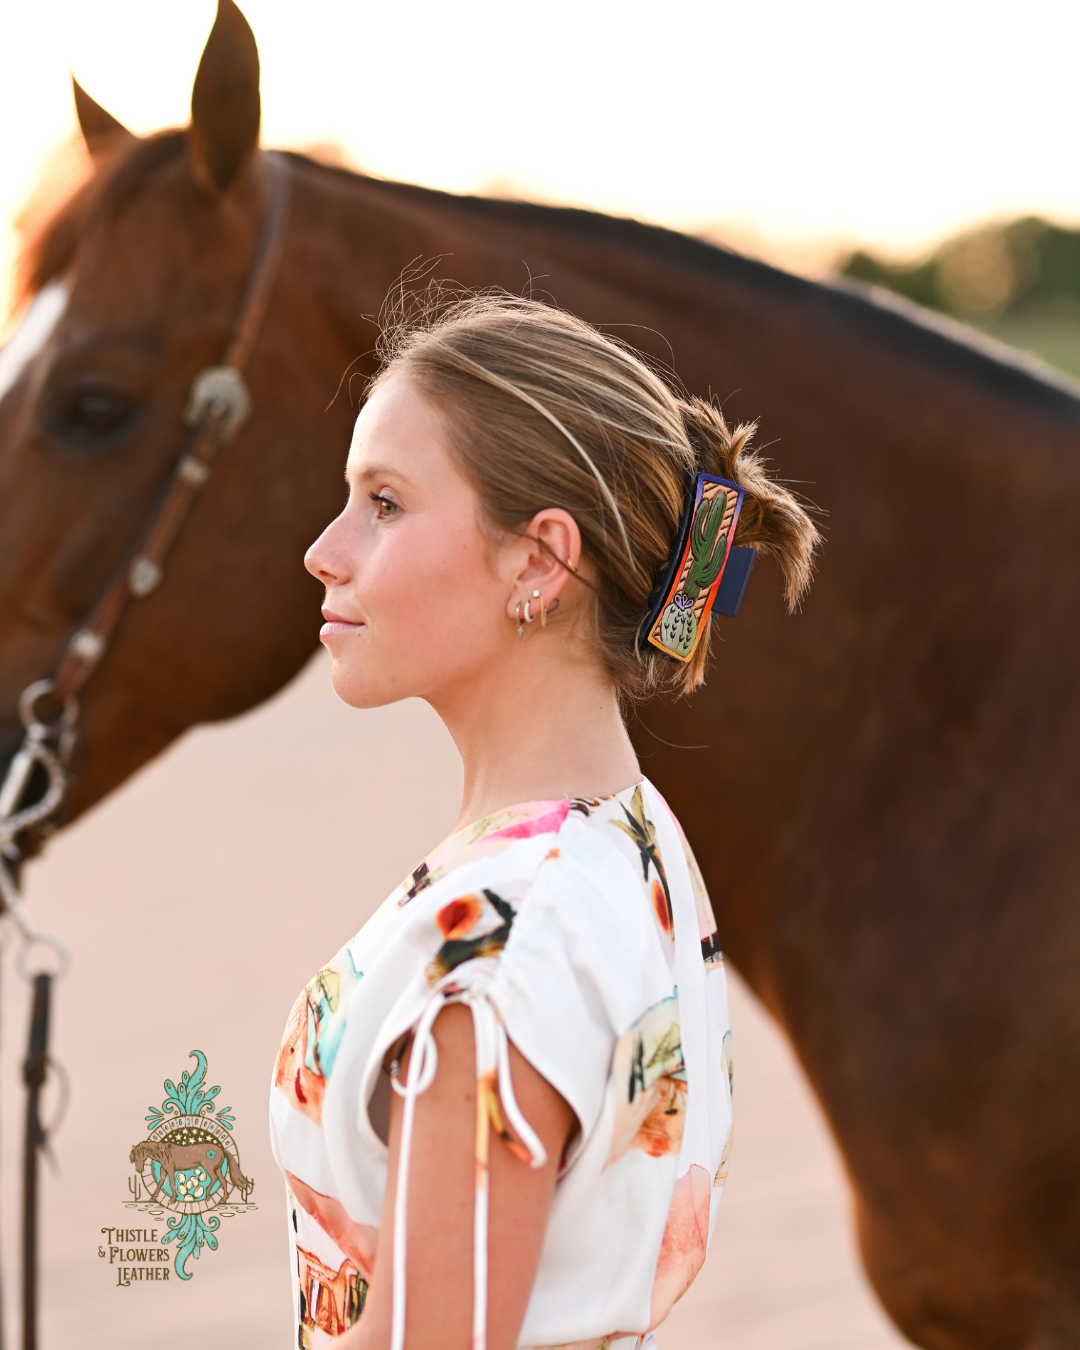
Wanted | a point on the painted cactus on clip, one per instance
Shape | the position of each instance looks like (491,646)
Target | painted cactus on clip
(679,623)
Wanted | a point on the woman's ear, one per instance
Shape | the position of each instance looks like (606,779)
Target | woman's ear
(550,559)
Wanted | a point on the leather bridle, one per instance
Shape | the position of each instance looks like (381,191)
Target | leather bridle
(218,405)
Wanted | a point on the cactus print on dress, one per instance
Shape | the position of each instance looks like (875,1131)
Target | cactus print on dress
(564,918)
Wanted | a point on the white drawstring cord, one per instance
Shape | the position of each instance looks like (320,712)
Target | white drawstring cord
(484,1036)
(521,1127)
(492,1076)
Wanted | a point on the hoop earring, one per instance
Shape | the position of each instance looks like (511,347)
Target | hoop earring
(520,627)
(570,565)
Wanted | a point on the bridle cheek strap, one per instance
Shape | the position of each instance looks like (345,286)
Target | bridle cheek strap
(218,405)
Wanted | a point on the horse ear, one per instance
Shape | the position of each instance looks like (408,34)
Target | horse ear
(101,131)
(225,106)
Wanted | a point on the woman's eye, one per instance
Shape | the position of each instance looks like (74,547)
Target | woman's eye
(385,509)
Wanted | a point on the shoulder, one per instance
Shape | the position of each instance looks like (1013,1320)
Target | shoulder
(516,847)
(593,867)
(561,867)
(572,862)
(578,875)
(559,905)
(551,917)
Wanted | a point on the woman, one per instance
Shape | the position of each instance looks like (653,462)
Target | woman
(503,1107)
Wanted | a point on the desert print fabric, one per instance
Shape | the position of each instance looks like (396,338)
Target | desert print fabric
(574,922)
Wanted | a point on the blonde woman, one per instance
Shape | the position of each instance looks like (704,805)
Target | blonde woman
(503,1108)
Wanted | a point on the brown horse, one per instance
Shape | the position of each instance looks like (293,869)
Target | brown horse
(882,791)
(206,1155)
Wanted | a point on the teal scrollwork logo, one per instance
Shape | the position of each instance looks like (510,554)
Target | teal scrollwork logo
(187,1169)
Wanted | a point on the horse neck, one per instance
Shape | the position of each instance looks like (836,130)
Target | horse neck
(786,342)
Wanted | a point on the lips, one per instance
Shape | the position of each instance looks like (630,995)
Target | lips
(335,625)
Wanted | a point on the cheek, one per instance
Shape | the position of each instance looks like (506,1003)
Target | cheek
(435,591)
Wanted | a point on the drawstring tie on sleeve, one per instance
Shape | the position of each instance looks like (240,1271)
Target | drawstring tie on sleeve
(494,1096)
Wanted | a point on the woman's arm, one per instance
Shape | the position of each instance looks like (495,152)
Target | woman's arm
(440,1207)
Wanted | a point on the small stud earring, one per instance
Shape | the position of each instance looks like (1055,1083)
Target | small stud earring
(543,608)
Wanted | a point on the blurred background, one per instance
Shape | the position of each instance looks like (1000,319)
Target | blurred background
(928,146)
(924,147)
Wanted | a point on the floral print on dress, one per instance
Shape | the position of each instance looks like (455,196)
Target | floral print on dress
(685,1242)
(460,918)
(486,838)
(642,831)
(727,1068)
(710,939)
(313,1034)
(649,1062)
(422,942)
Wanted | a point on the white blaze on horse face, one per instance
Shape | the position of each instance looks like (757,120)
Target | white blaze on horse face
(32,334)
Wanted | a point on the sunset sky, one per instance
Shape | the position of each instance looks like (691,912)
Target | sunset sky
(801,126)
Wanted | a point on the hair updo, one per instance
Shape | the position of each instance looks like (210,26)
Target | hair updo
(544,410)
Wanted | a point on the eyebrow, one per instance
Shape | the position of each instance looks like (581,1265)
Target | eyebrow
(365,475)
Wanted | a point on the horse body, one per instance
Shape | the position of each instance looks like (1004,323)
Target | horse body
(185,1158)
(881,791)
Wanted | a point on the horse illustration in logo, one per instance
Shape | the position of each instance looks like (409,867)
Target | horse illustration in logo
(202,1159)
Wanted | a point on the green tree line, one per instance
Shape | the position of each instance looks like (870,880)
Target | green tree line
(1018,281)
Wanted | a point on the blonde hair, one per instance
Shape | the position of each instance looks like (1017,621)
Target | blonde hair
(544,410)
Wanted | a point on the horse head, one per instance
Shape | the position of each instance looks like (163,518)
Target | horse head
(133,287)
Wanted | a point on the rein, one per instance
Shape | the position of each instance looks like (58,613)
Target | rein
(218,404)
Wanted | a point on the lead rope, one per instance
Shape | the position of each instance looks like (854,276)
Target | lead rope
(218,405)
(34,1070)
(35,752)
(494,1087)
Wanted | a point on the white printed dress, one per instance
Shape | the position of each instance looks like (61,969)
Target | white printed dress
(581,931)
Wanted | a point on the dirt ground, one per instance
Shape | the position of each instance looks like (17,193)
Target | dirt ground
(196,902)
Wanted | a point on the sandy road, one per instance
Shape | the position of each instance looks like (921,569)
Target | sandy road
(197,901)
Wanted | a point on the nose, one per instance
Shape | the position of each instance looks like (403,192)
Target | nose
(325,559)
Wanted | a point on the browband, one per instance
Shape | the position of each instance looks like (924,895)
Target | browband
(705,571)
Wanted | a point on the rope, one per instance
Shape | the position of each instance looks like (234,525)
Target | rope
(35,1067)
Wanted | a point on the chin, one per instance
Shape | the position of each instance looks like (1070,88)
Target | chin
(352,688)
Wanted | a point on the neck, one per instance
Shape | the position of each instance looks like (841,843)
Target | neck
(537,727)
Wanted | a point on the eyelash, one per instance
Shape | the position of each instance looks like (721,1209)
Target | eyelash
(381,501)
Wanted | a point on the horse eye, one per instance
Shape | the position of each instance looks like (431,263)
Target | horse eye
(96,411)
